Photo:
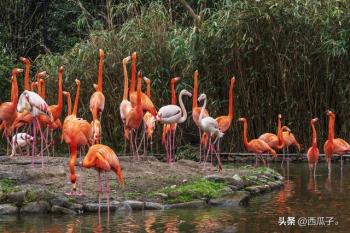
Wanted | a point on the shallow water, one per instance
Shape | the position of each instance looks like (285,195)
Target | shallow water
(301,197)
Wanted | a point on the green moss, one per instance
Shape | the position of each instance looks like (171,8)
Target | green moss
(196,190)
(30,197)
(8,186)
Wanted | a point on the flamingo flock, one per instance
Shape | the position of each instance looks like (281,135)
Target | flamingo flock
(26,118)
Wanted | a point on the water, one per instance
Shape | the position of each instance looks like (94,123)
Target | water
(301,197)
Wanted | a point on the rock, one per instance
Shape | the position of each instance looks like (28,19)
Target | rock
(253,189)
(226,191)
(77,208)
(135,205)
(215,178)
(153,206)
(61,210)
(174,194)
(173,186)
(124,207)
(17,198)
(187,205)
(235,199)
(46,173)
(93,207)
(162,195)
(61,201)
(8,209)
(36,207)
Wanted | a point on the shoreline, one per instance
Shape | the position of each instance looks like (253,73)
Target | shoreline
(149,185)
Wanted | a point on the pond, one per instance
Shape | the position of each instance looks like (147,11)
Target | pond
(310,202)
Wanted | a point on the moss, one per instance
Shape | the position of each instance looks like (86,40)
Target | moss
(30,197)
(7,186)
(196,190)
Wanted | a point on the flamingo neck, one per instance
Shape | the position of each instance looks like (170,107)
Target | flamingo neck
(245,134)
(331,128)
(76,101)
(173,94)
(202,111)
(38,86)
(281,142)
(100,73)
(314,135)
(148,89)
(138,101)
(43,90)
(126,82)
(14,95)
(26,77)
(183,109)
(133,74)
(60,97)
(195,90)
(32,86)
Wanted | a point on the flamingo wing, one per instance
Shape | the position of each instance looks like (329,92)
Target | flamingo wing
(169,114)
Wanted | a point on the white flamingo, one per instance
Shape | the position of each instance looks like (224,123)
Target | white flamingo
(33,103)
(171,114)
(211,127)
(20,140)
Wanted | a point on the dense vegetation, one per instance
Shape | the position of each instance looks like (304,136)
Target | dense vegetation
(289,57)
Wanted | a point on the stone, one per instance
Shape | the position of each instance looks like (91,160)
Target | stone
(253,189)
(162,195)
(135,205)
(187,205)
(79,208)
(61,201)
(61,210)
(93,207)
(7,209)
(233,200)
(36,207)
(153,206)
(17,198)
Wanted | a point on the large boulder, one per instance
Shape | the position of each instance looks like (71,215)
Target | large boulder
(36,207)
(7,209)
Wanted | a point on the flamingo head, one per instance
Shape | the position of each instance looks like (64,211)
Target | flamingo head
(42,74)
(77,82)
(185,92)
(61,69)
(202,97)
(24,60)
(66,93)
(242,119)
(314,120)
(126,60)
(147,80)
(102,54)
(330,113)
(233,79)
(280,116)
(95,86)
(15,71)
(133,56)
(96,126)
(174,80)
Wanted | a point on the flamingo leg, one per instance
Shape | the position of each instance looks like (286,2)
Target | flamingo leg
(200,145)
(170,150)
(34,142)
(27,149)
(166,148)
(20,151)
(206,156)
(256,160)
(315,169)
(108,193)
(99,193)
(174,131)
(219,160)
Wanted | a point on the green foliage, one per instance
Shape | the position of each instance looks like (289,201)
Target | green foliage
(196,190)
(7,186)
(30,196)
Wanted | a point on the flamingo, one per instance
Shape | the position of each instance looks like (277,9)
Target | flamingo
(148,118)
(26,75)
(169,129)
(146,102)
(276,142)
(173,114)
(33,103)
(289,140)
(103,159)
(196,111)
(210,126)
(125,105)
(334,145)
(8,109)
(313,152)
(97,100)
(75,132)
(224,122)
(20,140)
(135,117)
(255,146)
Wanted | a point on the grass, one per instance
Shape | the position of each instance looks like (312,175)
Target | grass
(196,190)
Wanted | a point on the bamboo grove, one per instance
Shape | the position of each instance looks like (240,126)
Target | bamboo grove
(288,57)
